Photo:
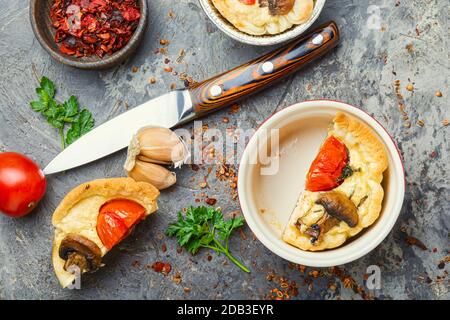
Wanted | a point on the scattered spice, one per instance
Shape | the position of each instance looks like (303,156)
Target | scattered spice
(168,69)
(410,87)
(445,122)
(410,48)
(134,69)
(152,80)
(177,278)
(412,241)
(420,123)
(211,201)
(161,267)
(164,42)
(438,94)
(136,264)
(93,27)
(235,108)
(227,172)
(350,283)
(186,289)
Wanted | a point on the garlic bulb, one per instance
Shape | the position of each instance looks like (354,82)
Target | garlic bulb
(152,146)
(152,173)
(157,145)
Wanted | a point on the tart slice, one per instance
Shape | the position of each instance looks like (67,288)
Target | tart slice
(343,192)
(93,218)
(259,17)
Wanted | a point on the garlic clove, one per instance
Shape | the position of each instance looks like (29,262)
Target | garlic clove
(161,145)
(152,173)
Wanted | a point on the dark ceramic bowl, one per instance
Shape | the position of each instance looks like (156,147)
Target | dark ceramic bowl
(44,32)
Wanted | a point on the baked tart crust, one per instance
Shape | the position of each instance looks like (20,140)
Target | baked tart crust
(78,211)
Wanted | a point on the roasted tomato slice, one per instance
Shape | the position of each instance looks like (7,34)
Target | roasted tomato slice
(248,2)
(326,170)
(116,219)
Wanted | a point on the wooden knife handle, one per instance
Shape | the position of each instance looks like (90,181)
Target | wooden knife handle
(257,74)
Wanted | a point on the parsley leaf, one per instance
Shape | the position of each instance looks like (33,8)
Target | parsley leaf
(60,114)
(83,124)
(48,86)
(204,227)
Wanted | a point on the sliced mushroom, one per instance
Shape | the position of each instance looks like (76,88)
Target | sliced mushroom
(325,224)
(79,251)
(337,205)
(277,7)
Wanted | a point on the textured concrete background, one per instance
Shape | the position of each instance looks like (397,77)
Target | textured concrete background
(411,46)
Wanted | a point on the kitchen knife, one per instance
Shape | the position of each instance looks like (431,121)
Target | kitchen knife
(180,106)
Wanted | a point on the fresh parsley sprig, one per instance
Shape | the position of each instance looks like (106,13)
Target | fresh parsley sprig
(205,227)
(60,114)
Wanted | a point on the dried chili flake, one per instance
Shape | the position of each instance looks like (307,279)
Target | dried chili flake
(162,267)
(94,27)
(211,201)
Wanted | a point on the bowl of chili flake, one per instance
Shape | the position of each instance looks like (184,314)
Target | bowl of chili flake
(89,34)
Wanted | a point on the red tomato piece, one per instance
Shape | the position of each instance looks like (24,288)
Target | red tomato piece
(248,2)
(326,169)
(116,219)
(22,184)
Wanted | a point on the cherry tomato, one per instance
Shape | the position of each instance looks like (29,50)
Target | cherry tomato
(326,169)
(116,219)
(22,184)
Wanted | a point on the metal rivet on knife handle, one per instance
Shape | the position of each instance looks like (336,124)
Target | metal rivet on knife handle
(207,96)
(318,39)
(215,91)
(267,67)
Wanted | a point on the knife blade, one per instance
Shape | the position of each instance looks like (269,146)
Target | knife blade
(180,106)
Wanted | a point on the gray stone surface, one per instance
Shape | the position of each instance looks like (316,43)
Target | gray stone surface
(361,72)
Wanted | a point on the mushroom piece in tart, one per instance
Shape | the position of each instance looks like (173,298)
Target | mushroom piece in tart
(343,188)
(93,218)
(258,17)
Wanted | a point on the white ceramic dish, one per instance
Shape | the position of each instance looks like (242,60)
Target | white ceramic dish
(268,200)
(264,40)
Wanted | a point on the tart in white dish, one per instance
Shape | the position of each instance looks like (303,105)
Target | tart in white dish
(259,17)
(343,193)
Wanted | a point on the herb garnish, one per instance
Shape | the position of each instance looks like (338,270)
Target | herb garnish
(205,227)
(59,114)
(346,172)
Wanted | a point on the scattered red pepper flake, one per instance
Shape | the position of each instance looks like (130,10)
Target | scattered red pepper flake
(93,27)
(136,264)
(211,201)
(162,267)
(177,278)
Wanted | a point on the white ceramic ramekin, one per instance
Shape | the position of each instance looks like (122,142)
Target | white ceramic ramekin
(264,40)
(267,201)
